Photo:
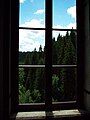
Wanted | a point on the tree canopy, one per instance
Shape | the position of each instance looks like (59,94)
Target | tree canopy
(32,80)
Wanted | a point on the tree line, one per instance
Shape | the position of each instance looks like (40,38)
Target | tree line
(32,80)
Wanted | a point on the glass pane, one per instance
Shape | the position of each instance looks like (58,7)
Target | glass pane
(64,84)
(64,14)
(32,13)
(64,50)
(31,85)
(31,46)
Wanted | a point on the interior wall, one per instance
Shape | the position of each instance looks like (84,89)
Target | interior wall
(87,55)
(4,59)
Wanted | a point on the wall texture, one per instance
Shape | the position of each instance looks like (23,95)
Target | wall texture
(87,55)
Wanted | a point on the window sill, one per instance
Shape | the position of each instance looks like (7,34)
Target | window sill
(41,115)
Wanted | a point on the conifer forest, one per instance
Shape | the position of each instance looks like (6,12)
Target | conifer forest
(64,80)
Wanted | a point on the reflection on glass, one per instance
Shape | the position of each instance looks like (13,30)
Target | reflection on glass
(64,47)
(64,84)
(31,85)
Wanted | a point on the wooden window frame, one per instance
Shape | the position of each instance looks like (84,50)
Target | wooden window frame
(14,45)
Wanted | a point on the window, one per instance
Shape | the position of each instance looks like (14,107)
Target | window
(52,69)
(9,44)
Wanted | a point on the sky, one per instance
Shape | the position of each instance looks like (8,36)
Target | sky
(32,14)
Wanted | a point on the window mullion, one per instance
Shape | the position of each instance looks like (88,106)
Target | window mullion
(48,56)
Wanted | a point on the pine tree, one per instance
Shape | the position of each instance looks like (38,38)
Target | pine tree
(39,83)
(73,38)
(26,70)
(68,74)
(34,57)
(54,52)
(40,55)
(60,49)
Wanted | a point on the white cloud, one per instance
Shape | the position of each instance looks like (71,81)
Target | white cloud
(22,1)
(56,33)
(69,26)
(72,11)
(34,23)
(30,39)
(40,11)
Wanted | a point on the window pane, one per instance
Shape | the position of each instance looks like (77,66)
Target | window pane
(31,46)
(64,84)
(64,14)
(31,85)
(32,13)
(64,47)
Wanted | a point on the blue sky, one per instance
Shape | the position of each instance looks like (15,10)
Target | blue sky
(32,14)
